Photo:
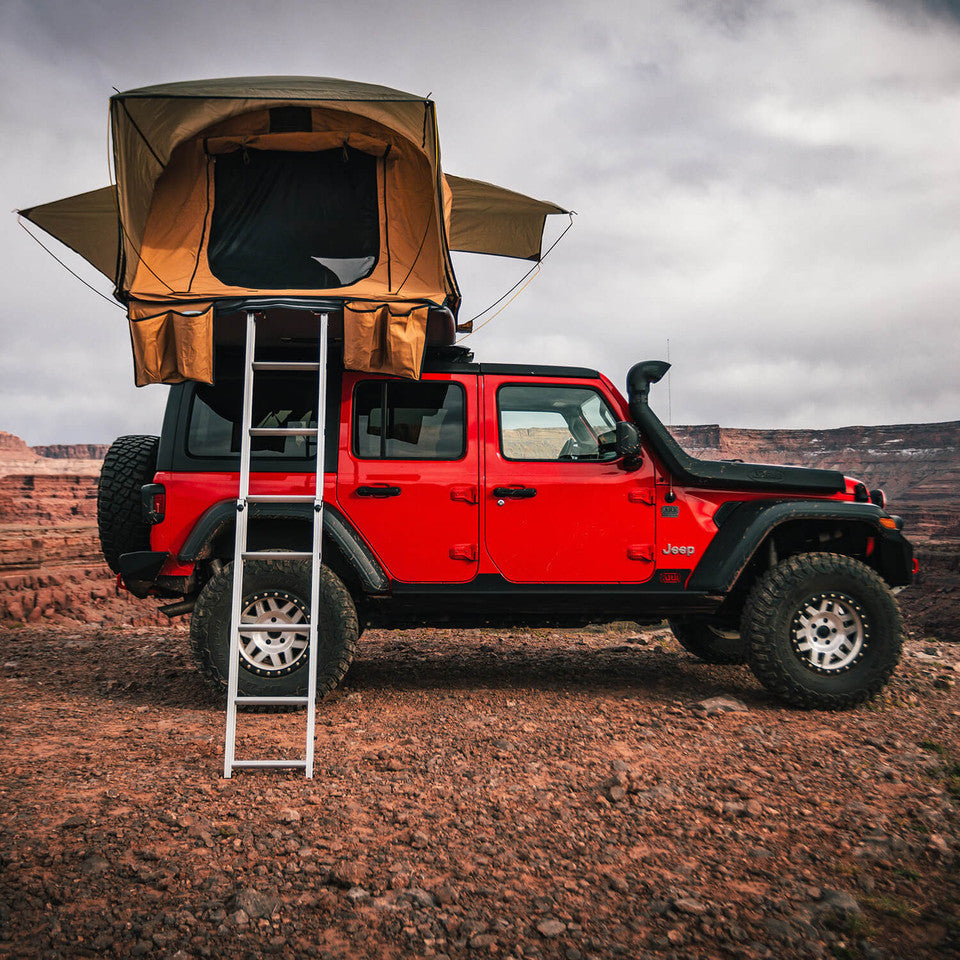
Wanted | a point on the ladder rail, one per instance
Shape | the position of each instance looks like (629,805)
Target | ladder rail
(239,546)
(242,553)
(317,559)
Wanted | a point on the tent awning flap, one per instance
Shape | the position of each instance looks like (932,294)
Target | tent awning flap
(87,223)
(485,218)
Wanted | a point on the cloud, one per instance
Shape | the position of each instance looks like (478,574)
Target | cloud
(769,184)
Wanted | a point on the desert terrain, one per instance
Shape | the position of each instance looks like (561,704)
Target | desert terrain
(567,794)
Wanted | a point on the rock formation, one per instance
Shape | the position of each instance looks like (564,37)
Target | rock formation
(51,566)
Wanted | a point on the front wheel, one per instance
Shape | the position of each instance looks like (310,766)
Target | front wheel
(273,664)
(822,630)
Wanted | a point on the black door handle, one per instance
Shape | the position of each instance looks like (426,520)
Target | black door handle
(379,492)
(515,493)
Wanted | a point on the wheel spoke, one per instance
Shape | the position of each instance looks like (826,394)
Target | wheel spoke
(256,653)
(290,611)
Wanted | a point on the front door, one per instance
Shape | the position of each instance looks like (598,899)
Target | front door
(560,505)
(408,473)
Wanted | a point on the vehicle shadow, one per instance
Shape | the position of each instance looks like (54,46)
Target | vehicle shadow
(661,675)
(158,670)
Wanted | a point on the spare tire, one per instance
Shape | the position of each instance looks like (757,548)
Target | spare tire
(129,464)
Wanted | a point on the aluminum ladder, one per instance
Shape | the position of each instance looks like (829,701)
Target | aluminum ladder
(241,553)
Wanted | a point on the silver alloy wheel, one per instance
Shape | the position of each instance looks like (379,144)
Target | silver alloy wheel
(269,654)
(828,633)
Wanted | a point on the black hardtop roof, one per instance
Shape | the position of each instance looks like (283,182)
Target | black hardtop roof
(511,369)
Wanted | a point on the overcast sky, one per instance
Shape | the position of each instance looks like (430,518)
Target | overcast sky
(772,185)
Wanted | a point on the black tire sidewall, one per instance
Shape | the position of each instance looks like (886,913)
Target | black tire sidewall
(336,642)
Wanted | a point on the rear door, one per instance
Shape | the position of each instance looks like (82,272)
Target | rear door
(408,473)
(560,506)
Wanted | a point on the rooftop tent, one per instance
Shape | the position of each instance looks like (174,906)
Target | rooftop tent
(264,186)
(282,187)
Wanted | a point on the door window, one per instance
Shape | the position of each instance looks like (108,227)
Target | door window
(548,422)
(403,420)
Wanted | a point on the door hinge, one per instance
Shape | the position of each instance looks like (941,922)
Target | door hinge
(640,551)
(641,496)
(463,551)
(467,494)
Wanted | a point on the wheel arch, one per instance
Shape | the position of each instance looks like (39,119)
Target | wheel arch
(288,526)
(754,535)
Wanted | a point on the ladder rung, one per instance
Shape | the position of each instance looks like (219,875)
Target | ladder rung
(283,431)
(274,627)
(281,498)
(269,701)
(285,365)
(269,763)
(277,555)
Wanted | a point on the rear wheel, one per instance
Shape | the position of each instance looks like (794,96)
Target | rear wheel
(273,664)
(129,464)
(823,630)
(711,641)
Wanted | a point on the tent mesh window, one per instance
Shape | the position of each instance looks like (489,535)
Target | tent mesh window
(291,120)
(294,221)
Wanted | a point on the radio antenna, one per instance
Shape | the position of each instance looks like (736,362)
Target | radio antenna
(669,398)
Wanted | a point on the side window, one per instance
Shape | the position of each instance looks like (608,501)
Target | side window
(215,417)
(404,420)
(555,422)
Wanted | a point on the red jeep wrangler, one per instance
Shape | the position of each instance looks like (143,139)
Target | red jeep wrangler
(499,494)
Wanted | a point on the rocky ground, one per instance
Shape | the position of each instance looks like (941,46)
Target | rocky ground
(555,794)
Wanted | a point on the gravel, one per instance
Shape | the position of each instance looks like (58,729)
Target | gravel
(527,793)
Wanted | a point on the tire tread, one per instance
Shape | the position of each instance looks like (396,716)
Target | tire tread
(130,462)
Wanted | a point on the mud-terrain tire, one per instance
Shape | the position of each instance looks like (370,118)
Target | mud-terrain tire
(823,631)
(709,641)
(129,464)
(274,665)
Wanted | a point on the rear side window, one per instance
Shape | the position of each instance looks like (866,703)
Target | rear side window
(404,420)
(278,401)
(555,422)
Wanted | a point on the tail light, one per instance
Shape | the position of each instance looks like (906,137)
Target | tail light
(153,502)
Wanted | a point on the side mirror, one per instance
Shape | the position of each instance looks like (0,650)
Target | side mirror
(628,442)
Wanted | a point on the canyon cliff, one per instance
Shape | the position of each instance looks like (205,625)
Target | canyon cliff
(51,567)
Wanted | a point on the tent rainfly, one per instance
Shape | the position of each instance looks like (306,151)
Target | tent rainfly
(284,187)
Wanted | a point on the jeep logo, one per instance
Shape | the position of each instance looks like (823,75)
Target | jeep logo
(670,549)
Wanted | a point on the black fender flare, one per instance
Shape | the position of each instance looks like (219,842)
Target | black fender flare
(222,515)
(744,527)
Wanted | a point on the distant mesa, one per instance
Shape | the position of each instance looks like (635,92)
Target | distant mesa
(13,448)
(73,451)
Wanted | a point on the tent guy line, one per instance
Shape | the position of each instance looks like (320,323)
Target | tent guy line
(74,274)
(536,266)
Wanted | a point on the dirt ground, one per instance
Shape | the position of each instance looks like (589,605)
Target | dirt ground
(555,794)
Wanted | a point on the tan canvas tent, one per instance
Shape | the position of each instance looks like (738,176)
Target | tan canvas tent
(278,187)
